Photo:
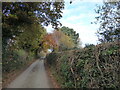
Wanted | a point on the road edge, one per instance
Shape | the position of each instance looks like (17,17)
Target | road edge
(51,77)
(13,75)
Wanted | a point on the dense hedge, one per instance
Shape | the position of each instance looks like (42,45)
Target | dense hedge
(15,59)
(91,67)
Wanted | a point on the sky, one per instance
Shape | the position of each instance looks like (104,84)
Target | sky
(79,16)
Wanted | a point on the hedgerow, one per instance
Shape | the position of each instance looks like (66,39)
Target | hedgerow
(91,67)
(15,59)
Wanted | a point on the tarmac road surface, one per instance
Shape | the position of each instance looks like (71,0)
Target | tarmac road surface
(34,76)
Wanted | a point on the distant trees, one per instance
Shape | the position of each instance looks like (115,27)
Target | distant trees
(109,19)
(57,41)
(89,45)
(72,34)
(49,42)
(62,39)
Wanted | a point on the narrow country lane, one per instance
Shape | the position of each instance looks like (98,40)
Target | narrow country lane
(34,76)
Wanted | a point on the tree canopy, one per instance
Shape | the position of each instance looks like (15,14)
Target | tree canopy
(72,34)
(63,41)
(17,14)
(57,41)
(21,20)
(109,19)
(23,30)
(32,36)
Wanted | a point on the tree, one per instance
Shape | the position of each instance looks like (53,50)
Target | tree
(109,19)
(72,34)
(22,29)
(63,41)
(17,17)
(46,12)
(89,45)
(31,37)
(57,41)
(49,42)
(17,14)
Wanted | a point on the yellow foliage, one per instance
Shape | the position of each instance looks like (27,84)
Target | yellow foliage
(62,40)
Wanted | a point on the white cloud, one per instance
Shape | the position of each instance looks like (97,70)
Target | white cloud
(71,11)
(79,17)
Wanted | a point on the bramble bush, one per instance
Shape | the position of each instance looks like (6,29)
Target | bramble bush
(91,67)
